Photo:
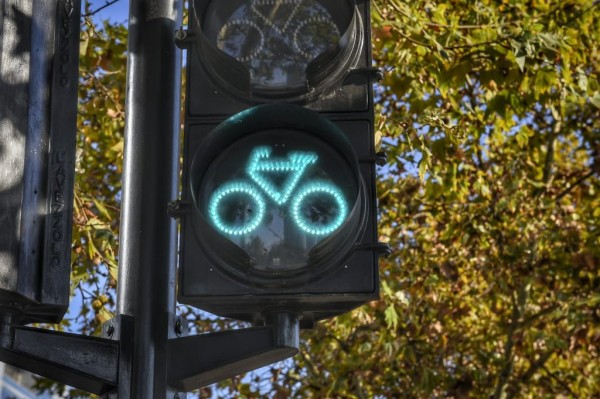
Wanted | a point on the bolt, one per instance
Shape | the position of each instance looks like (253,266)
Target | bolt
(178,328)
(110,330)
(180,34)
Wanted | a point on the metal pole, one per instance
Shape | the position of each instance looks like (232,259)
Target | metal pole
(146,290)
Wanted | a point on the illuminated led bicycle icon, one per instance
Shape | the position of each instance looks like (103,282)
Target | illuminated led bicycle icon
(303,199)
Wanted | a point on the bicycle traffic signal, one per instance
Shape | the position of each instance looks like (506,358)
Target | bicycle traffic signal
(279,204)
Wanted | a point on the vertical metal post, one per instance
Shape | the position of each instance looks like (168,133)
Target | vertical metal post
(146,290)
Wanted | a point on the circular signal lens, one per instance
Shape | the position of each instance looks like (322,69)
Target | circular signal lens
(278,195)
(274,49)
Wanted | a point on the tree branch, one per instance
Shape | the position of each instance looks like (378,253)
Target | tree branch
(515,389)
(549,157)
(530,320)
(444,26)
(449,48)
(508,352)
(563,384)
(582,12)
(572,186)
(96,11)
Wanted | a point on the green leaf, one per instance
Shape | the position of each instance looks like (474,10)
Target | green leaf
(102,209)
(391,317)
(113,269)
(582,81)
(105,315)
(595,100)
(545,79)
(523,136)
(521,62)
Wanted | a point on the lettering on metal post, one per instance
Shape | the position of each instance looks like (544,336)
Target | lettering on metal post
(57,206)
(66,31)
(61,157)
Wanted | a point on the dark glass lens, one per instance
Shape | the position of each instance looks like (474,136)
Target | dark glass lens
(276,39)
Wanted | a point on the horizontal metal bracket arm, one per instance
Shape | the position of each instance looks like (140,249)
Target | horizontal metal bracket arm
(200,360)
(87,363)
(93,364)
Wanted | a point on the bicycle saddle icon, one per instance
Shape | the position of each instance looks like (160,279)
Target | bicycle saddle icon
(303,201)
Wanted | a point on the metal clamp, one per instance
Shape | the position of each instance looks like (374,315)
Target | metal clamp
(382,249)
(380,158)
(178,208)
(184,38)
(363,75)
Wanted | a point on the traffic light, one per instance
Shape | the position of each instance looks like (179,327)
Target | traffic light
(278,207)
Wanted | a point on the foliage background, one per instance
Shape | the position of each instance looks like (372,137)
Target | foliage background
(490,115)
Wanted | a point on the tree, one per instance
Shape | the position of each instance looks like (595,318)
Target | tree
(490,115)
(492,291)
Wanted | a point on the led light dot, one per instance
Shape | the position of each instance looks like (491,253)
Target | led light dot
(294,166)
(240,22)
(268,20)
(313,20)
(236,188)
(323,188)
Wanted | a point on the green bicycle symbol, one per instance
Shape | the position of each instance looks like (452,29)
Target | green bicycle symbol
(263,171)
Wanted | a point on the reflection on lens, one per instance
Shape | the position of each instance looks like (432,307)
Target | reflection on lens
(277,39)
(241,39)
(315,36)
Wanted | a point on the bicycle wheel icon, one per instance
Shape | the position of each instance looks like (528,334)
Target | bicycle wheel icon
(316,207)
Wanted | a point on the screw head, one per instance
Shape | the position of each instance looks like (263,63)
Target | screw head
(178,327)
